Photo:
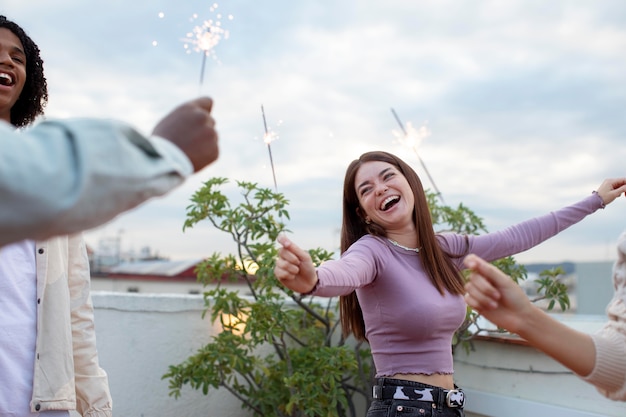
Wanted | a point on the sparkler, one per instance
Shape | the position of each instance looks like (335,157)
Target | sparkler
(412,137)
(268,138)
(205,37)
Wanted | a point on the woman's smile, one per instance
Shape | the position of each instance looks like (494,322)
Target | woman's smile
(389,202)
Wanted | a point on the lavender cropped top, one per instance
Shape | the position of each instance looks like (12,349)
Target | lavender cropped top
(408,323)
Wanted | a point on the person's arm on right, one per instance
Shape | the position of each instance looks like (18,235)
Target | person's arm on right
(62,177)
(500,300)
(609,374)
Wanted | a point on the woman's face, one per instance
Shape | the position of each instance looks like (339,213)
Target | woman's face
(385,195)
(12,72)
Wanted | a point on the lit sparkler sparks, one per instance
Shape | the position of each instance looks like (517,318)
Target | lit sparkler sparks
(161,15)
(268,138)
(411,138)
(205,37)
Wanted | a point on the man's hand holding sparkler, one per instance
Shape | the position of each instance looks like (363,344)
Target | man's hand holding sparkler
(191,127)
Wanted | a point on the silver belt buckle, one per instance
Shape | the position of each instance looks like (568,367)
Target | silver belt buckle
(455,398)
(377,392)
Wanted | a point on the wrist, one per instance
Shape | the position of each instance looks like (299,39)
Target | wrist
(312,290)
(602,203)
(531,321)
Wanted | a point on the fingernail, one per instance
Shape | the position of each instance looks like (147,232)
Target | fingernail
(282,239)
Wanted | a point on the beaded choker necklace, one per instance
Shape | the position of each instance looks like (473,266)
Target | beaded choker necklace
(393,242)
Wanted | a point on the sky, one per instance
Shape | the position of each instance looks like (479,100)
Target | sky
(522,100)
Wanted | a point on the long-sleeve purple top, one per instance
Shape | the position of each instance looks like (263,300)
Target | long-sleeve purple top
(408,323)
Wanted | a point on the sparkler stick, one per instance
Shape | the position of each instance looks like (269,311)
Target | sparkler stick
(202,69)
(268,138)
(407,134)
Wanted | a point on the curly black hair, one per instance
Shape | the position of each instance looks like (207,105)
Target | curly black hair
(34,96)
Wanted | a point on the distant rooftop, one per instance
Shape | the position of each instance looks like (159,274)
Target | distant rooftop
(159,267)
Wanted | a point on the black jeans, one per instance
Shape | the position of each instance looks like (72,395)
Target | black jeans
(387,403)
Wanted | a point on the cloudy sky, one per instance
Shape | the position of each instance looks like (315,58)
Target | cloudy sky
(523,100)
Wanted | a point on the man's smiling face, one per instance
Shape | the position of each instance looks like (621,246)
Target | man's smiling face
(12,72)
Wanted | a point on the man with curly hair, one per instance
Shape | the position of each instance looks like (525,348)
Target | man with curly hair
(58,178)
(48,356)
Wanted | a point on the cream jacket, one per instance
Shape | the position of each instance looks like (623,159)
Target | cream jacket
(609,374)
(67,374)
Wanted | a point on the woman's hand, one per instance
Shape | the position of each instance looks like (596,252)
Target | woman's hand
(495,295)
(611,188)
(502,302)
(294,267)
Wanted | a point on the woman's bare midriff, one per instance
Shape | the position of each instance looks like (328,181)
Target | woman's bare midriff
(438,380)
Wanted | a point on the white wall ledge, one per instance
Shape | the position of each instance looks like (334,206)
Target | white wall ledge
(488,404)
(147,302)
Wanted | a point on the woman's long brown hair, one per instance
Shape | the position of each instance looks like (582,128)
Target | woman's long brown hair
(443,273)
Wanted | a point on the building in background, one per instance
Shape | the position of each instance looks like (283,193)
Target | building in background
(149,276)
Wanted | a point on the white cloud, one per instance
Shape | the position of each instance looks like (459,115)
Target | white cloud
(523,99)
